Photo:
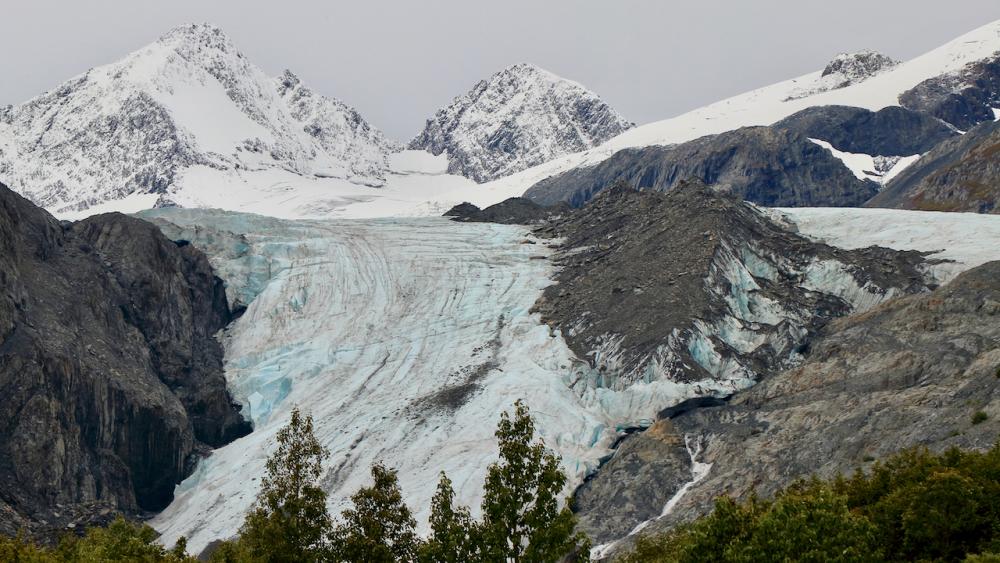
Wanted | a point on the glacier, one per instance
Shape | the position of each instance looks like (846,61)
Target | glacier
(406,339)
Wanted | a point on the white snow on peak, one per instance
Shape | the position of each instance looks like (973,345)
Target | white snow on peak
(762,106)
(519,117)
(191,98)
(299,155)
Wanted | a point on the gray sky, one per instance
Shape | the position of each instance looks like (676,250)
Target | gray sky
(397,62)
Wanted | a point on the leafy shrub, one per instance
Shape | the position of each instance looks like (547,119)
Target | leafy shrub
(913,506)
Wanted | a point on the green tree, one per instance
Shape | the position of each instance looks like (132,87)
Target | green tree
(809,522)
(289,521)
(522,520)
(452,537)
(379,527)
(19,550)
(120,541)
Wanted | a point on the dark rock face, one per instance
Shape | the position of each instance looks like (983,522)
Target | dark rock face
(694,285)
(909,373)
(512,211)
(764,165)
(963,99)
(891,131)
(960,174)
(611,505)
(110,374)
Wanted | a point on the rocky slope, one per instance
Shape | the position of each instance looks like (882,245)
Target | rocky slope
(513,211)
(519,117)
(960,174)
(910,372)
(890,131)
(191,99)
(765,165)
(693,285)
(111,376)
(880,88)
(964,97)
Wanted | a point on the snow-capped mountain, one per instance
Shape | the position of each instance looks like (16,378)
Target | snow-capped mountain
(520,117)
(941,77)
(189,99)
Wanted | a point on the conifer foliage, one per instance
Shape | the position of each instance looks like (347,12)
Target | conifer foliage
(289,521)
(522,520)
(379,528)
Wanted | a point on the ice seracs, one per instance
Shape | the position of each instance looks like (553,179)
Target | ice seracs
(189,99)
(520,117)
(405,338)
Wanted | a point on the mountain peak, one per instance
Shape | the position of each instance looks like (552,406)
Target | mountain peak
(205,34)
(862,64)
(521,116)
(846,69)
(189,99)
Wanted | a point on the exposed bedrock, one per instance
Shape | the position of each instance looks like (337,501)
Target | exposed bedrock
(693,286)
(963,98)
(910,372)
(765,165)
(891,131)
(110,373)
(960,174)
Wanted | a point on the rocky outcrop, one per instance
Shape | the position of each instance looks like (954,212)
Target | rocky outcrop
(846,69)
(960,174)
(765,165)
(891,131)
(910,372)
(519,117)
(964,98)
(694,285)
(111,376)
(511,211)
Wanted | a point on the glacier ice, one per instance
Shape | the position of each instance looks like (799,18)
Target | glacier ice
(406,339)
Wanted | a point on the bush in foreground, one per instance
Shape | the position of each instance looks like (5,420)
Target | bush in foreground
(914,506)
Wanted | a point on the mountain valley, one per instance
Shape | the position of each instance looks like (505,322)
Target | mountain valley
(794,281)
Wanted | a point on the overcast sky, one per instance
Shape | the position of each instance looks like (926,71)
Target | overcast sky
(397,62)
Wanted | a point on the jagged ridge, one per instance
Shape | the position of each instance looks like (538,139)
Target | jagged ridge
(519,117)
(191,98)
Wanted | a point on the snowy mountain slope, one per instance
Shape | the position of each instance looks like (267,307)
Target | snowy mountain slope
(189,99)
(405,339)
(844,70)
(414,178)
(762,106)
(520,117)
